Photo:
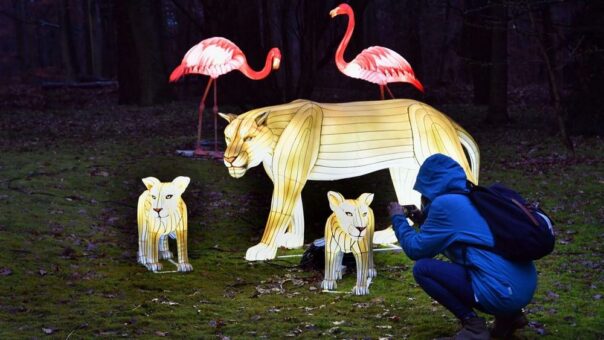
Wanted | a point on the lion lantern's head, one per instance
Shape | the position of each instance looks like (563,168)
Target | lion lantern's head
(248,141)
(354,216)
(165,197)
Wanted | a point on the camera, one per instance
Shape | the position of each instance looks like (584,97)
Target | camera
(414,214)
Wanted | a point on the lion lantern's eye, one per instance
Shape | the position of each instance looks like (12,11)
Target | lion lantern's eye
(364,214)
(154,197)
(348,213)
(168,197)
(248,138)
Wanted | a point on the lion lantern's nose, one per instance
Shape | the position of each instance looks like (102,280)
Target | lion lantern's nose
(360,229)
(157,210)
(229,159)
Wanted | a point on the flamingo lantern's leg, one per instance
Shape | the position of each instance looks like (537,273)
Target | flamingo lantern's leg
(215,109)
(202,106)
(382,92)
(390,92)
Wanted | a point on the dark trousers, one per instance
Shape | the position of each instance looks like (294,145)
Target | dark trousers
(448,283)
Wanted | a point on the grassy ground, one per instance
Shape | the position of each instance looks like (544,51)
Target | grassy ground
(69,180)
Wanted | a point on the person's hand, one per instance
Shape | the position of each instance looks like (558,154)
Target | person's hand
(395,209)
(414,214)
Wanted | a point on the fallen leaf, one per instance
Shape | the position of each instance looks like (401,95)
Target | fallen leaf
(160,333)
(5,271)
(334,330)
(552,295)
(216,323)
(48,330)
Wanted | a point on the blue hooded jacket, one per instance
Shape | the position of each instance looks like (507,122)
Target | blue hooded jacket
(452,223)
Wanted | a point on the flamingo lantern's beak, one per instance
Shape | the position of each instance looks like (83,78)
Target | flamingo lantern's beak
(276,63)
(334,12)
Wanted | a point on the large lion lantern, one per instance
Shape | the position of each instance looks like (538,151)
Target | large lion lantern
(305,140)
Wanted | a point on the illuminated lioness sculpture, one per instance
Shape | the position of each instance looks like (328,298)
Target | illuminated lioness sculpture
(162,213)
(349,230)
(305,140)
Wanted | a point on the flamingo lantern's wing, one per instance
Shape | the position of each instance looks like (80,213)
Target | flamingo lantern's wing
(212,57)
(381,65)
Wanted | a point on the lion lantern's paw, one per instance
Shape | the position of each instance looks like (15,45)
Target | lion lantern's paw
(356,290)
(290,241)
(142,259)
(185,267)
(329,284)
(155,267)
(372,272)
(165,254)
(261,252)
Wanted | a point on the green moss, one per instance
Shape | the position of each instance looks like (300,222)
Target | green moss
(68,234)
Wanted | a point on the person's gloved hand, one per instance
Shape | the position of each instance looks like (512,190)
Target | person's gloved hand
(395,209)
(414,214)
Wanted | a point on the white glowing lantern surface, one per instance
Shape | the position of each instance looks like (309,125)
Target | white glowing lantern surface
(305,140)
(161,214)
(349,230)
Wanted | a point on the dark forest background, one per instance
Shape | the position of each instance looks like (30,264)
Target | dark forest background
(546,56)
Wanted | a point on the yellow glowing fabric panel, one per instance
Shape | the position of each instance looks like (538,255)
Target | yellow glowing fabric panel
(305,140)
(161,214)
(349,230)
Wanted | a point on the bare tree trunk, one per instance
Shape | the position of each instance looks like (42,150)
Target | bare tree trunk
(66,45)
(476,42)
(95,38)
(22,50)
(498,94)
(443,47)
(91,38)
(142,75)
(553,85)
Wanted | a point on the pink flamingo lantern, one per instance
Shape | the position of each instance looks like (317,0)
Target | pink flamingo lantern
(214,57)
(376,64)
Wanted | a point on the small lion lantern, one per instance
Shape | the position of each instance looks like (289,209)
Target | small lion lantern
(349,230)
(162,213)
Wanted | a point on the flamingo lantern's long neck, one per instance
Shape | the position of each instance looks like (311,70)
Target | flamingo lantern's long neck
(340,62)
(257,75)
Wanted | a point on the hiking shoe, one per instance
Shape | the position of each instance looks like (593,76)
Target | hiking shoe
(473,329)
(505,326)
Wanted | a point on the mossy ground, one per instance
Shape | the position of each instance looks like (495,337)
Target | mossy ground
(70,178)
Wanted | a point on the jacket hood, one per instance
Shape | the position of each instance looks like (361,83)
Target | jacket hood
(439,175)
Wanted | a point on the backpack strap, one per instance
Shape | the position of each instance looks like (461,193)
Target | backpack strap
(526,212)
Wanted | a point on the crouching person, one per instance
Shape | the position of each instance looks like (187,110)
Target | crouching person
(474,278)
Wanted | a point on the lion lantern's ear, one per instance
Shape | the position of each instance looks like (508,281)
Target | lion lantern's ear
(181,182)
(229,117)
(366,198)
(335,199)
(261,118)
(150,182)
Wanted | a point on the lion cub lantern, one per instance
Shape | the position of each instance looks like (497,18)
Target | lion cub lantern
(162,213)
(349,230)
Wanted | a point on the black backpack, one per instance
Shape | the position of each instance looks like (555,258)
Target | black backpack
(521,231)
(314,257)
